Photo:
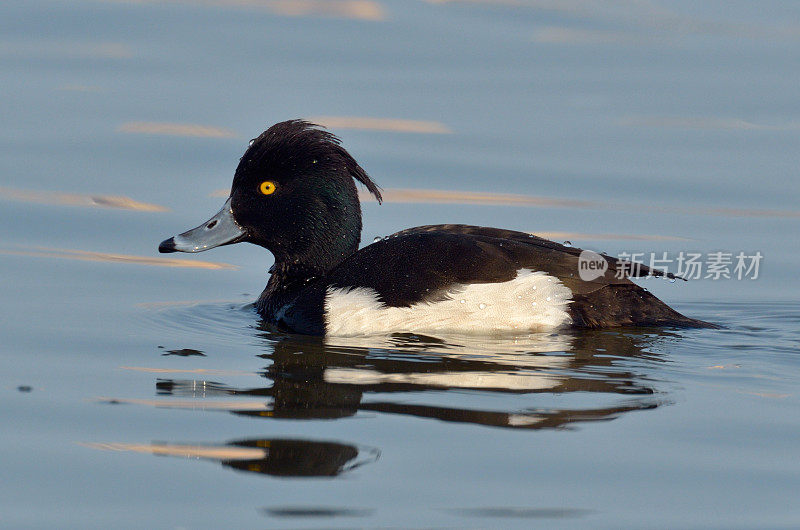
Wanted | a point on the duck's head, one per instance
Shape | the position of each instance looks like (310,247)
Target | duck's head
(294,194)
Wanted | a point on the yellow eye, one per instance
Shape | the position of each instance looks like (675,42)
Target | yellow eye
(267,187)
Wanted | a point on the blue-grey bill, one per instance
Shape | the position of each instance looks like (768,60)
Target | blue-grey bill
(221,229)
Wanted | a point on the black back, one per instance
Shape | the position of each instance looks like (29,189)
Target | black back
(427,263)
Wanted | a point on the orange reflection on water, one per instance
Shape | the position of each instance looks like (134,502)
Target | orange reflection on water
(224,452)
(352,9)
(84,255)
(175,129)
(75,199)
(381,124)
(355,9)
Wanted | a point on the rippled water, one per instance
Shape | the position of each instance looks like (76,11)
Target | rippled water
(143,391)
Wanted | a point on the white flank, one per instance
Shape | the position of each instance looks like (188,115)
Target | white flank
(533,301)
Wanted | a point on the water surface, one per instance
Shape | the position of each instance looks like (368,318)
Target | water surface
(143,391)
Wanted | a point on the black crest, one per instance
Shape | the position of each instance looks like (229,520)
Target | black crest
(297,146)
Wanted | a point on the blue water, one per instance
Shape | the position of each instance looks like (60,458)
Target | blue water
(676,126)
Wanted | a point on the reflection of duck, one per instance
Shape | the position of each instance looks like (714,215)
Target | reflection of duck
(294,194)
(279,456)
(314,379)
(301,458)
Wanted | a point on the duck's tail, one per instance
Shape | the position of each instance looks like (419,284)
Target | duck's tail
(627,305)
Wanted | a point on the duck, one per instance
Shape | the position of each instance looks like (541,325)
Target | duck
(294,193)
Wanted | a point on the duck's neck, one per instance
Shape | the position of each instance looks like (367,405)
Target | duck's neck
(295,272)
(292,269)
(326,231)
(317,254)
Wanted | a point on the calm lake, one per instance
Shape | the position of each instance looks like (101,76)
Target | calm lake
(143,391)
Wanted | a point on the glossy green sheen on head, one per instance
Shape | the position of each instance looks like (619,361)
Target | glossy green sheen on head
(313,216)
